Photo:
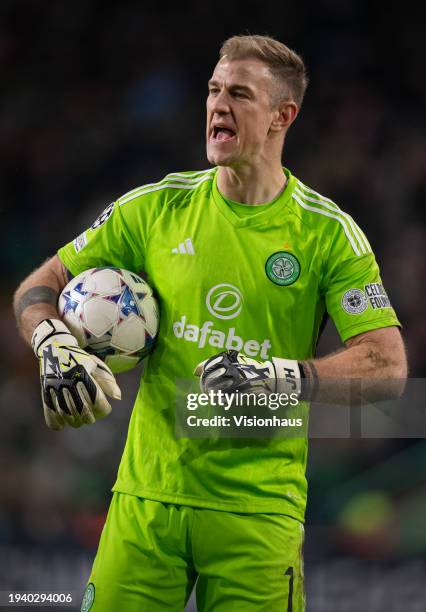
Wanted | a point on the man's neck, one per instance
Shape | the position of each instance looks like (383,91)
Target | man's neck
(251,185)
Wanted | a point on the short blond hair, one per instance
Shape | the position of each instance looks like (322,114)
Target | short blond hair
(285,65)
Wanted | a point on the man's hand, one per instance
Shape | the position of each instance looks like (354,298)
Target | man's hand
(74,384)
(231,372)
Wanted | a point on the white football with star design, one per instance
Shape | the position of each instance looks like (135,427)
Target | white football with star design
(113,314)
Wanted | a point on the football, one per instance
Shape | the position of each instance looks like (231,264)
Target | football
(113,314)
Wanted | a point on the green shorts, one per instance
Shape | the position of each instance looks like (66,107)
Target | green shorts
(151,555)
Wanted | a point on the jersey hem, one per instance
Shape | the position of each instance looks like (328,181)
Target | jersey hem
(367,326)
(277,507)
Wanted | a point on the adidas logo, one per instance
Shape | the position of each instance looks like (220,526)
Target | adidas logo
(186,247)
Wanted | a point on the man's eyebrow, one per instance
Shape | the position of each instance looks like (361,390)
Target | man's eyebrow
(212,82)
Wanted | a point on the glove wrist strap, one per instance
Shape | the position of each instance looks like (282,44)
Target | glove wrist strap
(49,330)
(288,375)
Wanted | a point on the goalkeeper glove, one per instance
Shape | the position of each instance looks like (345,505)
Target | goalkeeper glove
(231,372)
(74,384)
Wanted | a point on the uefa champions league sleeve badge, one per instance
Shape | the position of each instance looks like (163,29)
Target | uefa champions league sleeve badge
(354,301)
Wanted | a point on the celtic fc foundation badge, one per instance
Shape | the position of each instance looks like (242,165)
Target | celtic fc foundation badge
(282,268)
(88,598)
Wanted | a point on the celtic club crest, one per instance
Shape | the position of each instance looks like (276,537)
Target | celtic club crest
(282,268)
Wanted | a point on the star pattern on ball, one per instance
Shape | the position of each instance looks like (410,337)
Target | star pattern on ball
(72,300)
(127,303)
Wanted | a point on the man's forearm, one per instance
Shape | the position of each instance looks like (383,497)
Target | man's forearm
(377,359)
(366,360)
(36,297)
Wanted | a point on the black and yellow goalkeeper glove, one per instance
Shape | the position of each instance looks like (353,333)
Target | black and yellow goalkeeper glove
(74,384)
(233,372)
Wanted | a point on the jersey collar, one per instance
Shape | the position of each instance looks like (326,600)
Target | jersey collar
(264,215)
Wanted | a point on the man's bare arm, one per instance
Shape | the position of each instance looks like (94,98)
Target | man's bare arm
(376,355)
(36,297)
(75,391)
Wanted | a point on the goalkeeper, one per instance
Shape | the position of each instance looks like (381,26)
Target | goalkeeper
(247,262)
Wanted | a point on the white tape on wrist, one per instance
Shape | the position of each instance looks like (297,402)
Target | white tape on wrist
(288,375)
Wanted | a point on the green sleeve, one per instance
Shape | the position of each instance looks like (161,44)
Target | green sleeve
(109,241)
(354,294)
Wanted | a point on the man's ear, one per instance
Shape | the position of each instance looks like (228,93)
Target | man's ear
(284,116)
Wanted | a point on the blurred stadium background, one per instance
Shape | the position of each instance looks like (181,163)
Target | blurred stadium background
(98,99)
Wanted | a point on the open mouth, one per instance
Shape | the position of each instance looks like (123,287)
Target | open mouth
(222,134)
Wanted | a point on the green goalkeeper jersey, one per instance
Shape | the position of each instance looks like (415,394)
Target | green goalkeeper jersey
(260,283)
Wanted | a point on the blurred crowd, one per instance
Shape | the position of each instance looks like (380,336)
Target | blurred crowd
(97,100)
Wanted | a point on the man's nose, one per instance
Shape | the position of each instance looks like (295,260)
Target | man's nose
(220,103)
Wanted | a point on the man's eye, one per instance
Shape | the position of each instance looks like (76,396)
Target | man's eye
(213,90)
